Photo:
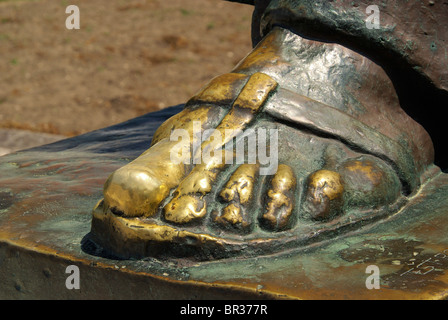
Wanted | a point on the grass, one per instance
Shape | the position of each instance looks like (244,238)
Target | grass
(186,12)
(4,36)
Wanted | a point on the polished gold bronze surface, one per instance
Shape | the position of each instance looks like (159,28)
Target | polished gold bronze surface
(188,204)
(221,90)
(145,230)
(280,199)
(138,188)
(241,184)
(238,192)
(255,92)
(265,55)
(231,215)
(248,103)
(328,181)
(183,120)
(325,191)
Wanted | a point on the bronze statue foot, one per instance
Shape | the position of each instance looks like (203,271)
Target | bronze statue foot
(216,211)
(335,170)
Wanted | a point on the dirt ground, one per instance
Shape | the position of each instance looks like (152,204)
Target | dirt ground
(128,58)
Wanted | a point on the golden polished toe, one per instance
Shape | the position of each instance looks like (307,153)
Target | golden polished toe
(240,186)
(134,192)
(231,215)
(280,200)
(138,188)
(185,209)
(187,203)
(324,196)
(238,193)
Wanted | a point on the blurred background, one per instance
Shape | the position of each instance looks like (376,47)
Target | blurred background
(128,58)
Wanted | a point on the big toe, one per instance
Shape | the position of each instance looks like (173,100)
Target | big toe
(134,191)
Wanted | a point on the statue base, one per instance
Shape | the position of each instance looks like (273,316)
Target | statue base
(46,199)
